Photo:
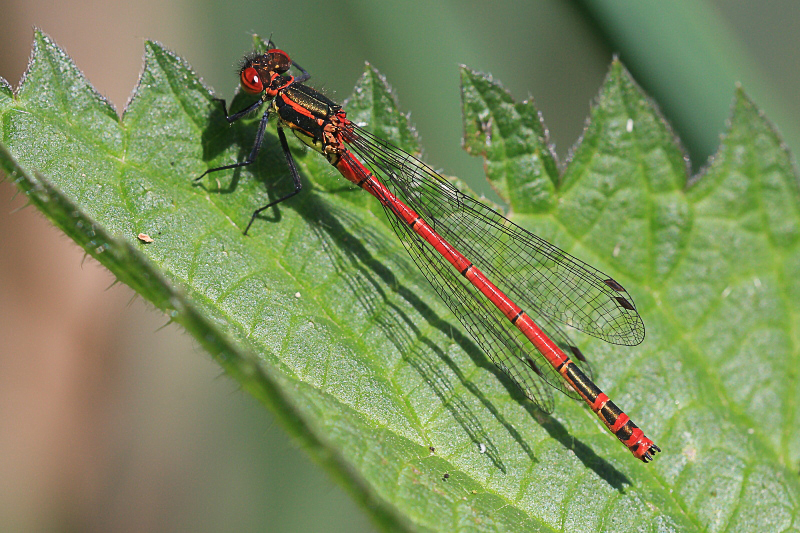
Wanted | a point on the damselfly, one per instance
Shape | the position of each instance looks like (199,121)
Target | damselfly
(508,287)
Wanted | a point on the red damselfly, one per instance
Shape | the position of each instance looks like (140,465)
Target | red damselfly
(460,244)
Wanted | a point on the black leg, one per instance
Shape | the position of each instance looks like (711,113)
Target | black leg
(305,75)
(298,185)
(236,116)
(256,146)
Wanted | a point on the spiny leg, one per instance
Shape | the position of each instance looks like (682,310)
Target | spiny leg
(256,146)
(240,114)
(305,76)
(298,184)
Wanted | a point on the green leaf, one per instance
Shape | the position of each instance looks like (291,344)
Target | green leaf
(714,267)
(321,314)
(512,138)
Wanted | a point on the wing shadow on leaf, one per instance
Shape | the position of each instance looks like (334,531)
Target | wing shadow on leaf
(367,276)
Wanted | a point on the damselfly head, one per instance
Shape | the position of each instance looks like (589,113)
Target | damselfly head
(260,70)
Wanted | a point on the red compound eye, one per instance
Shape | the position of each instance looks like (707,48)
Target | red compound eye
(251,81)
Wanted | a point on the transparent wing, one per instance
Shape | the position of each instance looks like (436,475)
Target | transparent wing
(532,271)
(546,282)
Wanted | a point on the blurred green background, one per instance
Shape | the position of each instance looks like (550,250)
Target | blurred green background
(108,422)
